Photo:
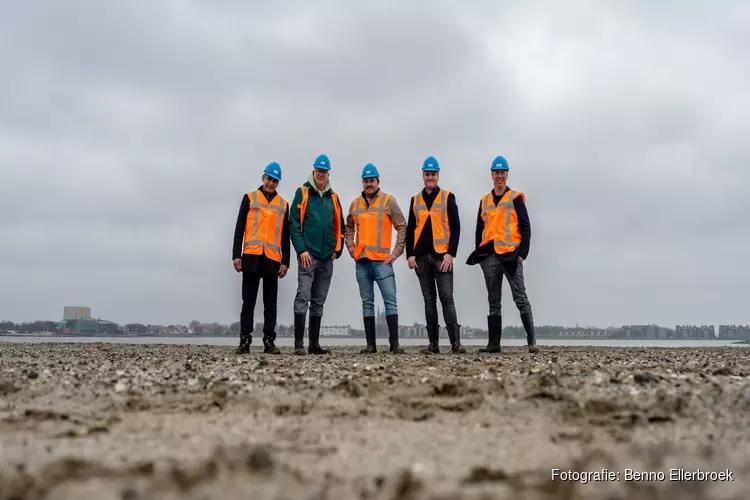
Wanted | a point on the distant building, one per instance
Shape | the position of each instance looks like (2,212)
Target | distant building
(89,326)
(731,332)
(76,312)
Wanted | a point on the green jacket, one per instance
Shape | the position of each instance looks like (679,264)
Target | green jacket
(317,235)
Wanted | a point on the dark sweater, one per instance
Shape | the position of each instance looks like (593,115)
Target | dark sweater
(425,245)
(259,263)
(524,225)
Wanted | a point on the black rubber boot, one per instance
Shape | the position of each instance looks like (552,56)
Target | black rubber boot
(392,321)
(528,325)
(369,336)
(244,347)
(314,337)
(433,336)
(494,332)
(299,334)
(269,345)
(454,334)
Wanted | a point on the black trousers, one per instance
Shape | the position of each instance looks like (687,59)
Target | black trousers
(250,286)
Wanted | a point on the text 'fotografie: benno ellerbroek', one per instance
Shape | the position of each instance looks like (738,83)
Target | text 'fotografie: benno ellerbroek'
(634,475)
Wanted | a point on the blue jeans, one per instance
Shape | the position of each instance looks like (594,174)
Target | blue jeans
(369,272)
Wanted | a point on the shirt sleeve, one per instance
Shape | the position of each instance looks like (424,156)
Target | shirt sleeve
(411,226)
(524,225)
(399,223)
(295,233)
(455,225)
(480,227)
(239,228)
(342,225)
(351,228)
(285,246)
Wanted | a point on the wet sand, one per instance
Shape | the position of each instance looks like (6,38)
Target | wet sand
(104,421)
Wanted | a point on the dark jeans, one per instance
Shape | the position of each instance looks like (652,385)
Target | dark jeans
(430,277)
(312,286)
(493,270)
(250,286)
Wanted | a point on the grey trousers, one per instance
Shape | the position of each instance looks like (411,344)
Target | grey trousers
(435,283)
(493,270)
(312,286)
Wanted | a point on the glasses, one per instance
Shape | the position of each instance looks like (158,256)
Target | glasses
(318,171)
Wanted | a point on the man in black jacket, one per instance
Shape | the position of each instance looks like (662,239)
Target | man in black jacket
(432,234)
(503,238)
(261,251)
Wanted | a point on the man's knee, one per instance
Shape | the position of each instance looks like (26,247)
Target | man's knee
(446,297)
(523,304)
(316,309)
(300,307)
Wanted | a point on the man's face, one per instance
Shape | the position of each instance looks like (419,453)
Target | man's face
(499,178)
(320,176)
(370,185)
(430,179)
(269,184)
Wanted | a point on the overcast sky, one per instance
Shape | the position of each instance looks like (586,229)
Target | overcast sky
(129,132)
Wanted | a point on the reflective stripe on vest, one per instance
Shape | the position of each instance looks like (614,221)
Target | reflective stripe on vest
(257,239)
(511,235)
(381,249)
(440,208)
(338,233)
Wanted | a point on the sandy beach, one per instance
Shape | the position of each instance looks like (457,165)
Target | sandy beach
(105,421)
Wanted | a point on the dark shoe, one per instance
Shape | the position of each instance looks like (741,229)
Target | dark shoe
(433,332)
(454,334)
(314,337)
(369,336)
(244,346)
(494,332)
(528,325)
(269,347)
(392,321)
(299,333)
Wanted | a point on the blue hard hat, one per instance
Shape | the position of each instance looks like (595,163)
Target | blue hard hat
(430,165)
(273,170)
(500,163)
(369,171)
(322,162)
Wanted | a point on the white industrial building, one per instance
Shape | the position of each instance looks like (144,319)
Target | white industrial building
(76,312)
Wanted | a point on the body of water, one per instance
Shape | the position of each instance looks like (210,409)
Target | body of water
(333,342)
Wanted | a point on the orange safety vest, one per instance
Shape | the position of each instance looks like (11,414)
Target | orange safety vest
(438,214)
(374,228)
(264,225)
(337,230)
(501,222)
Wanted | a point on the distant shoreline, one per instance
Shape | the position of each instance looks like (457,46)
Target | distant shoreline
(231,336)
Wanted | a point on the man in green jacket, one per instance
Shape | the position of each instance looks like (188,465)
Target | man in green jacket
(317,234)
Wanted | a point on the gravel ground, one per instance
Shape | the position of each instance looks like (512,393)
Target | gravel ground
(104,421)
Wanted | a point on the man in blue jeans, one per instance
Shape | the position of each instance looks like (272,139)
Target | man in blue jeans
(369,226)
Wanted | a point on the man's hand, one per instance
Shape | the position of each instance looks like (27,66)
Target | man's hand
(391,259)
(520,259)
(412,262)
(304,259)
(447,264)
(282,270)
(351,250)
(237,263)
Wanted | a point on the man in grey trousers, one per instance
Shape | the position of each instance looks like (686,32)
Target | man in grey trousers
(503,238)
(432,234)
(317,232)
